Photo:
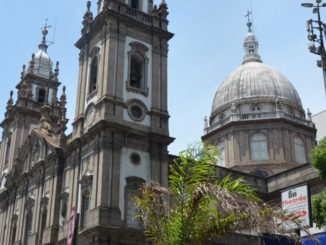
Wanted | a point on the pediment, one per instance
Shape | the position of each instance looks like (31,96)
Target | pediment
(34,150)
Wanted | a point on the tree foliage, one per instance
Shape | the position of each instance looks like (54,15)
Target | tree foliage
(319,201)
(319,157)
(319,209)
(198,207)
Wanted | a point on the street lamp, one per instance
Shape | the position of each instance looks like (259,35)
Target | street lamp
(314,38)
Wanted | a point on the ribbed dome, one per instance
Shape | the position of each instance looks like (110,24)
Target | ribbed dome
(43,64)
(253,80)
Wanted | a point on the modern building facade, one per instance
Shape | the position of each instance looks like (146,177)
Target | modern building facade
(319,119)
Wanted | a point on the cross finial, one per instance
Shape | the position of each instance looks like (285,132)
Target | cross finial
(45,32)
(248,15)
(45,29)
(249,23)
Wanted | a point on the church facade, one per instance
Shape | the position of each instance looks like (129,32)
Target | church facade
(79,188)
(120,132)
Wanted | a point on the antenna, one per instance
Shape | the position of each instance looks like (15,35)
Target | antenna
(54,29)
(252,18)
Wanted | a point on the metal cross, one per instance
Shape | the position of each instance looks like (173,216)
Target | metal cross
(248,15)
(46,26)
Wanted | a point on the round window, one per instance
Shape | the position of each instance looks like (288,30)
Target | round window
(136,111)
(135,158)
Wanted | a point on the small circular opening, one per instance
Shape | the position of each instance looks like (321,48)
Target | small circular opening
(136,111)
(135,158)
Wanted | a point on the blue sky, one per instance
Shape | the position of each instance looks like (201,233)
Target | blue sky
(207,47)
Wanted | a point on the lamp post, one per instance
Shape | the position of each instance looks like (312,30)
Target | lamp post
(318,38)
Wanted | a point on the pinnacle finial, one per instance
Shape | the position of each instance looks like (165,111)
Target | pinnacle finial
(88,18)
(56,70)
(10,102)
(31,64)
(23,72)
(89,4)
(249,23)
(309,114)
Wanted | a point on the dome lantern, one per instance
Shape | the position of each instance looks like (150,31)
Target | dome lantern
(250,44)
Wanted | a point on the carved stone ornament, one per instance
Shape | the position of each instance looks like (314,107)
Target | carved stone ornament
(90,116)
(44,204)
(3,181)
(29,203)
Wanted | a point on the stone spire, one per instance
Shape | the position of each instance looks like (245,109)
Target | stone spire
(62,121)
(56,71)
(88,18)
(31,64)
(10,102)
(250,44)
(23,73)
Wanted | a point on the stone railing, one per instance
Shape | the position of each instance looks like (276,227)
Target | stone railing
(257,116)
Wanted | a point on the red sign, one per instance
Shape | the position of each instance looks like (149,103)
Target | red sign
(71,226)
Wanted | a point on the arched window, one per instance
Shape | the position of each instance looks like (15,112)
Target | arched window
(64,207)
(258,147)
(44,214)
(131,190)
(93,75)
(299,150)
(8,145)
(13,235)
(290,111)
(134,4)
(221,159)
(251,49)
(28,226)
(41,95)
(221,117)
(86,200)
(137,71)
(256,108)
(14,228)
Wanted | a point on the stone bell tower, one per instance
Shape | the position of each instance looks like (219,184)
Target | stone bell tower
(36,91)
(121,120)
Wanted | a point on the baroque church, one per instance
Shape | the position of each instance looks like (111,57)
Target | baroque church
(79,188)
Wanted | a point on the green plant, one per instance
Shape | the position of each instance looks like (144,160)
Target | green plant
(198,207)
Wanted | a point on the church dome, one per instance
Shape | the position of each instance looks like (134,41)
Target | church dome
(255,80)
(254,91)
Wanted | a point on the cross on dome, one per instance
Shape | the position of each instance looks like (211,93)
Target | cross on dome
(249,23)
